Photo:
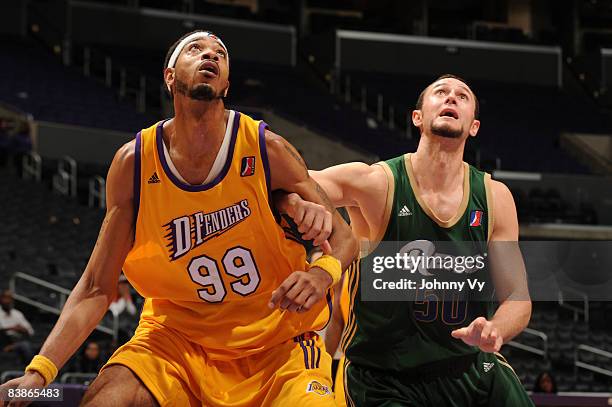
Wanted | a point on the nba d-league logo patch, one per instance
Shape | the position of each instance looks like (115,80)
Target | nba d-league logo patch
(476,218)
(317,388)
(247,168)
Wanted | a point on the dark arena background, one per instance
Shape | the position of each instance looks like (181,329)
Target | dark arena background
(339,80)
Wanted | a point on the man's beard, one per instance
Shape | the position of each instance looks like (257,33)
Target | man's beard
(201,91)
(444,130)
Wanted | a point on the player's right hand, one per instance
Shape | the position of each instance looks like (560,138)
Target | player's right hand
(30,380)
(314,221)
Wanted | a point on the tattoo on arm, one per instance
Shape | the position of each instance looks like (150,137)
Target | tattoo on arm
(295,156)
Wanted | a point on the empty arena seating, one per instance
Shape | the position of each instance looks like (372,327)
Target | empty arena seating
(39,84)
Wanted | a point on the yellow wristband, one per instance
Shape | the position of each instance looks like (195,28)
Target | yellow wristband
(44,366)
(331,265)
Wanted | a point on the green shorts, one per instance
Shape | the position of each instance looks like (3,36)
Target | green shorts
(481,379)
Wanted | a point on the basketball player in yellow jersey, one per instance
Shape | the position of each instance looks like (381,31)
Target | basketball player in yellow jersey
(230,303)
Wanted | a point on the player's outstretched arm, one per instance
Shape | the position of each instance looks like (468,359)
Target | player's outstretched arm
(289,173)
(95,290)
(509,278)
(348,184)
(361,188)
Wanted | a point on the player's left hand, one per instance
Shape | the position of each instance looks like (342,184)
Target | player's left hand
(301,290)
(481,333)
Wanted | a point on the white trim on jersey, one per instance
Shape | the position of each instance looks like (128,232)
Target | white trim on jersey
(222,155)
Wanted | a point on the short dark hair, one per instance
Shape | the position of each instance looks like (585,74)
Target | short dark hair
(419,103)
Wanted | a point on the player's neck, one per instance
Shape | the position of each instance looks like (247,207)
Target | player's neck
(438,163)
(197,126)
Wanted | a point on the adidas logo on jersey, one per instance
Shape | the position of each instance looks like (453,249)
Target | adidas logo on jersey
(154,179)
(404,211)
(488,366)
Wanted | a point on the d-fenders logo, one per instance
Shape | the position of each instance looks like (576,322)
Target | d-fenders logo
(318,388)
(185,233)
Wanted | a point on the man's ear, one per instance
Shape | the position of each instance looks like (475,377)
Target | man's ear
(417,118)
(169,78)
(226,90)
(474,128)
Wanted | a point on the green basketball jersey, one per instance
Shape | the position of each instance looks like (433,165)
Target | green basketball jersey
(403,335)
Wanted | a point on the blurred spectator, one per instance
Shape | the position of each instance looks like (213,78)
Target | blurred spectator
(545,383)
(125,309)
(90,360)
(15,329)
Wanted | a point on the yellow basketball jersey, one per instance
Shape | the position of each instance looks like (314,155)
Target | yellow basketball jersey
(207,257)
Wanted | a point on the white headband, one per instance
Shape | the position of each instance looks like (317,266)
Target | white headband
(188,39)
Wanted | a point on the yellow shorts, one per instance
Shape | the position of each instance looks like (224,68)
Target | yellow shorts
(178,373)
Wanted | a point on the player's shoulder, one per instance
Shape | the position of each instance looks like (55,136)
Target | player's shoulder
(277,148)
(272,137)
(502,197)
(125,156)
(500,189)
(122,169)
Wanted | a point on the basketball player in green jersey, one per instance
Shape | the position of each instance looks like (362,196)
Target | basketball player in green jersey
(424,353)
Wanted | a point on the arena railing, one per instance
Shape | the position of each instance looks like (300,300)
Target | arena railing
(65,180)
(62,294)
(588,366)
(543,351)
(385,113)
(97,190)
(564,302)
(32,166)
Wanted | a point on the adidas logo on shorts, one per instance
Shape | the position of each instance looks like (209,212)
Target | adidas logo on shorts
(488,366)
(404,211)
